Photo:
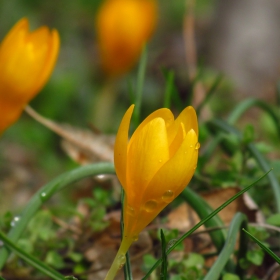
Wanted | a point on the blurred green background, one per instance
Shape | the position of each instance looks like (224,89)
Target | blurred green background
(77,82)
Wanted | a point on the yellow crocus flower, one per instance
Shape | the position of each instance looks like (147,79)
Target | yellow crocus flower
(123,27)
(26,61)
(154,167)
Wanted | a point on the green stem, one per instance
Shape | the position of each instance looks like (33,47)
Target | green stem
(238,222)
(139,89)
(120,258)
(127,267)
(43,194)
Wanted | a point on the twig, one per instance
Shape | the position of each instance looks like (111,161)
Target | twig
(190,51)
(53,127)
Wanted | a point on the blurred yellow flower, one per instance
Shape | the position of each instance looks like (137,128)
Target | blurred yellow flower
(156,164)
(26,62)
(123,27)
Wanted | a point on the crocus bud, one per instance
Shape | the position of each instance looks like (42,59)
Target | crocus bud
(123,27)
(155,165)
(26,61)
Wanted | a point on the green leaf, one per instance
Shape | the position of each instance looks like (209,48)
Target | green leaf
(265,248)
(274,220)
(178,277)
(75,257)
(55,260)
(148,261)
(238,222)
(26,245)
(248,134)
(230,276)
(194,260)
(255,257)
(259,232)
(41,226)
(164,264)
(192,273)
(139,86)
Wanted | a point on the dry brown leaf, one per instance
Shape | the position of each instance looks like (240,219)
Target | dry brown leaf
(85,146)
(82,145)
(244,204)
(184,217)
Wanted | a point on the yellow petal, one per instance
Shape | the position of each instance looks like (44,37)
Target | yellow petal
(176,143)
(146,154)
(120,150)
(163,113)
(50,60)
(123,27)
(188,118)
(20,27)
(27,60)
(176,173)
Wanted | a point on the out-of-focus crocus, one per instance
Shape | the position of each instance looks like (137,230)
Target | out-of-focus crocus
(123,27)
(154,167)
(26,61)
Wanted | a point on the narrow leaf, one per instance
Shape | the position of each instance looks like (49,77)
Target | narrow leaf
(164,264)
(266,249)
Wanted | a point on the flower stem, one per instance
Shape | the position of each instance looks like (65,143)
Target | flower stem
(120,258)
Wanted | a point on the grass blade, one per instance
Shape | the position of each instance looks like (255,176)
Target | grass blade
(164,264)
(244,106)
(203,222)
(202,208)
(266,249)
(239,221)
(48,271)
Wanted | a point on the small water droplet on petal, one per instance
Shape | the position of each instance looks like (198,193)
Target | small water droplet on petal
(197,145)
(168,196)
(130,211)
(135,237)
(150,205)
